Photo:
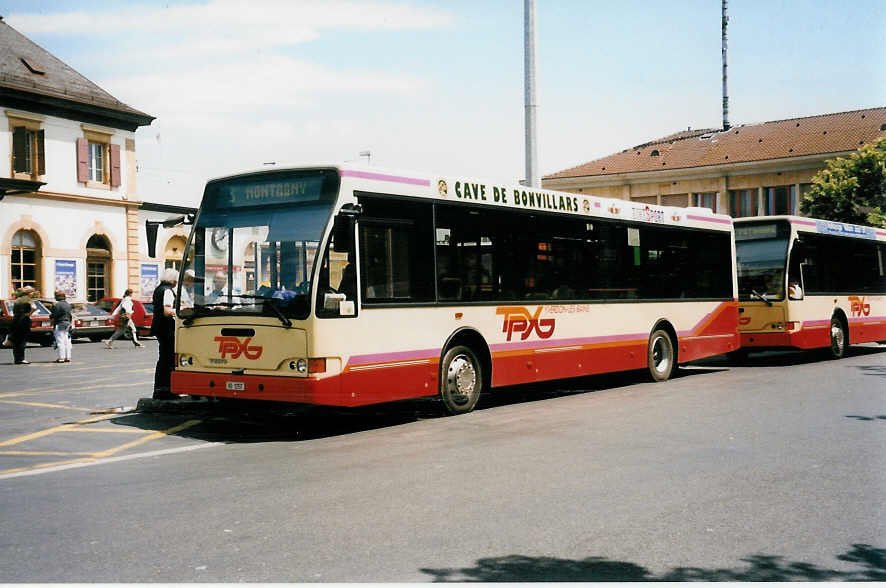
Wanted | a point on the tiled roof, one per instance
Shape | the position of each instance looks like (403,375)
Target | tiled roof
(796,137)
(27,67)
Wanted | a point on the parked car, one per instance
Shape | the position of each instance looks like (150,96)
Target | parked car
(142,313)
(91,321)
(41,329)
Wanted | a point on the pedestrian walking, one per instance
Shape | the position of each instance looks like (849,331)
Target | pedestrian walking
(126,326)
(163,327)
(61,317)
(21,323)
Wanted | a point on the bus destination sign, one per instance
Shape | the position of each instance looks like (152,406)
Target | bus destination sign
(252,192)
(845,229)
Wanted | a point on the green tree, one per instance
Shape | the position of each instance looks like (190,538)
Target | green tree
(851,189)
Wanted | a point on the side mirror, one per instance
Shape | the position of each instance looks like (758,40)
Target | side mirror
(343,229)
(152,226)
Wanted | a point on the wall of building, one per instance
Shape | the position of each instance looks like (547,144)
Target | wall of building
(65,213)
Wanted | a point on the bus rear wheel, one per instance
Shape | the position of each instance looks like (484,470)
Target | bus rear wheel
(660,356)
(839,338)
(461,380)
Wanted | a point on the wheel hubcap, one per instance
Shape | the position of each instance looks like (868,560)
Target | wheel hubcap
(461,379)
(836,337)
(661,358)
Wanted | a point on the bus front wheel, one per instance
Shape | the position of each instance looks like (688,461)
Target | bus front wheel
(839,338)
(660,356)
(461,380)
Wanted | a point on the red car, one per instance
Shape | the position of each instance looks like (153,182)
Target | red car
(41,328)
(142,313)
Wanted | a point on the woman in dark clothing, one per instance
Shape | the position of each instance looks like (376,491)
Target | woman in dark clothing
(21,324)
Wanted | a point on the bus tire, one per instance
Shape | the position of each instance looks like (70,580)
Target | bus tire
(461,380)
(660,355)
(839,338)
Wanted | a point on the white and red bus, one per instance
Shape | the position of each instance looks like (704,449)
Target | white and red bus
(346,286)
(806,283)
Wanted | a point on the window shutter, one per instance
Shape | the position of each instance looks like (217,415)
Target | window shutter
(115,165)
(18,150)
(41,154)
(82,160)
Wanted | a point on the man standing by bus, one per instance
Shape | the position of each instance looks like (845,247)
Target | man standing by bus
(163,327)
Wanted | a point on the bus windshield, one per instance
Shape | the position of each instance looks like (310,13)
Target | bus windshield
(255,243)
(761,249)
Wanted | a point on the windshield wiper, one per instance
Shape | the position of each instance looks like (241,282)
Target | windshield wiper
(755,294)
(286,322)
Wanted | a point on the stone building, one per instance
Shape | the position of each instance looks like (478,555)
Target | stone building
(747,170)
(70,214)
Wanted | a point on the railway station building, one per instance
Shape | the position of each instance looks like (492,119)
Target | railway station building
(746,170)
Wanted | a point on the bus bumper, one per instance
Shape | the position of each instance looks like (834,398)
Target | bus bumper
(325,391)
(808,338)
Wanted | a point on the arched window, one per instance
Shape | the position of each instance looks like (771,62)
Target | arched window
(25,260)
(175,248)
(98,266)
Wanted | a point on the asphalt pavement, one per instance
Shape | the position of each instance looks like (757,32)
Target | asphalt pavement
(771,470)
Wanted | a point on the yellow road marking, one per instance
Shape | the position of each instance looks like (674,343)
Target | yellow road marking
(45,453)
(89,457)
(45,465)
(146,438)
(82,389)
(43,405)
(51,430)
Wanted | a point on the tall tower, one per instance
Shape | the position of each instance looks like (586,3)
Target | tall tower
(725,20)
(530,102)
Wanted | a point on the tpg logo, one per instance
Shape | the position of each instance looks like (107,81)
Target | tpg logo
(858,306)
(233,346)
(517,319)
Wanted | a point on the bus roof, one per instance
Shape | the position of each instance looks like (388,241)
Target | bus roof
(817,225)
(469,189)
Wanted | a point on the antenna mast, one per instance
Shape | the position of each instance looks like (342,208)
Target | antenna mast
(726,124)
(531,105)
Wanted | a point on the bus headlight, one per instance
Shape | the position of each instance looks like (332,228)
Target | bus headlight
(185,360)
(301,366)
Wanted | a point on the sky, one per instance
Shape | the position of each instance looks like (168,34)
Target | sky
(436,86)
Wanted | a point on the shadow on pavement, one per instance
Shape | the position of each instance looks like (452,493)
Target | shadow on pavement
(246,421)
(788,358)
(869,561)
(873,370)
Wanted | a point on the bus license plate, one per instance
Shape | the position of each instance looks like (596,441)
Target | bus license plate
(239,386)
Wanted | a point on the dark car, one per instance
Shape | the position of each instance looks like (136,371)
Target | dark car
(41,329)
(142,313)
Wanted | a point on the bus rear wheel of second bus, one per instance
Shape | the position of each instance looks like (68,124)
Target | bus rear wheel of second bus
(660,356)
(461,380)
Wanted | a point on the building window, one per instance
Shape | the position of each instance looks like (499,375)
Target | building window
(175,247)
(25,260)
(98,160)
(780,199)
(742,203)
(28,151)
(98,263)
(706,200)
